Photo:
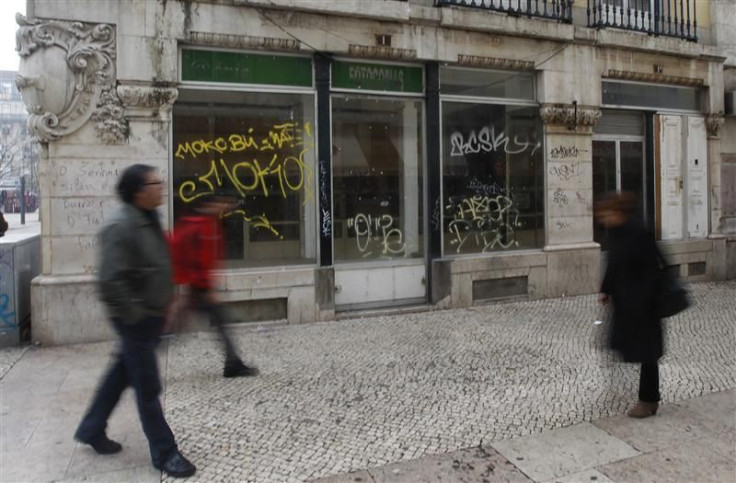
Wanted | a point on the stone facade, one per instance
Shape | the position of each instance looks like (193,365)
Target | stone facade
(100,85)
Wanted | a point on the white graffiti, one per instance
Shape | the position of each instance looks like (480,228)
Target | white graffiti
(326,223)
(376,234)
(488,222)
(480,188)
(486,140)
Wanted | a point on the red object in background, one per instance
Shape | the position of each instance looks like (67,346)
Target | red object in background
(196,245)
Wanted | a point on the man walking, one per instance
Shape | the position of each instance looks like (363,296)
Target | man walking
(135,282)
(196,247)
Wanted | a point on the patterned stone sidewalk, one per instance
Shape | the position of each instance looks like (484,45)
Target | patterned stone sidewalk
(338,397)
(360,394)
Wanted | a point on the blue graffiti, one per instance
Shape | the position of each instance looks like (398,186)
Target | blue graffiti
(7,318)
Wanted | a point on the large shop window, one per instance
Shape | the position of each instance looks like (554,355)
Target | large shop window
(377,178)
(492,164)
(259,148)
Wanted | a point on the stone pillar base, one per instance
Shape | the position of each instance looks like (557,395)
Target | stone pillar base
(67,310)
(573,272)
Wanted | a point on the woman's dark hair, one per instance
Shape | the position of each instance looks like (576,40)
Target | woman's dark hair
(132,181)
(623,202)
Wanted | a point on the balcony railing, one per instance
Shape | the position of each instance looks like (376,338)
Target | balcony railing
(674,18)
(552,9)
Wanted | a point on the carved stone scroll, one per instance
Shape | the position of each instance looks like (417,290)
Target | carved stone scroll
(713,123)
(67,77)
(569,115)
(152,97)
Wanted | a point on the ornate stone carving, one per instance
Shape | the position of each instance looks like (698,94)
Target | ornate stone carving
(494,62)
(570,115)
(242,41)
(154,97)
(381,52)
(658,78)
(713,123)
(67,77)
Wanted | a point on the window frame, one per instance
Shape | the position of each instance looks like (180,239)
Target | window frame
(194,86)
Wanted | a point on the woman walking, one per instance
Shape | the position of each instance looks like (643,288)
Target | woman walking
(631,283)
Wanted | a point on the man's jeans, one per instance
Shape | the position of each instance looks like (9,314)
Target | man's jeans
(134,365)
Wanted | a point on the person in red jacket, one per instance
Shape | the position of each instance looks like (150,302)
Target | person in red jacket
(196,248)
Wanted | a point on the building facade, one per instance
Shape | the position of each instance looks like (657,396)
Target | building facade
(383,153)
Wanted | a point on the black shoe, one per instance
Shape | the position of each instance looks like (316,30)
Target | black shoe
(177,466)
(102,444)
(238,369)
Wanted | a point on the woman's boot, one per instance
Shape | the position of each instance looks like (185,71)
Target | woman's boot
(643,410)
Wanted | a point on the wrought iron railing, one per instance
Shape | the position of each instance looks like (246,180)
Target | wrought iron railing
(675,18)
(552,9)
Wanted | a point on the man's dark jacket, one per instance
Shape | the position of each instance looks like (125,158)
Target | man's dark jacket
(135,278)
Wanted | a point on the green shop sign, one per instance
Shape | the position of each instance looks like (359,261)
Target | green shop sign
(241,68)
(376,77)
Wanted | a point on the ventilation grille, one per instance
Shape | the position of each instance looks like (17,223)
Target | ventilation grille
(620,122)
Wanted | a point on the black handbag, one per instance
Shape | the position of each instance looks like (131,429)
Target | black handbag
(672,296)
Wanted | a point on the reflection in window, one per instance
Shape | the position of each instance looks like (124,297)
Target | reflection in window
(492,178)
(377,178)
(258,148)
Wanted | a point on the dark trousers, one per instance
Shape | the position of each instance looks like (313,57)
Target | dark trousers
(218,317)
(649,382)
(134,365)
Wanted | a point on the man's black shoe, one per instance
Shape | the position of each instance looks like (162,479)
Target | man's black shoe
(177,466)
(238,369)
(102,445)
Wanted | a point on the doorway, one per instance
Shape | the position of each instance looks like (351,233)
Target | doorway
(619,164)
(378,197)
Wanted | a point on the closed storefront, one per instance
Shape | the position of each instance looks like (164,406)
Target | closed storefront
(492,162)
(377,129)
(652,142)
(244,126)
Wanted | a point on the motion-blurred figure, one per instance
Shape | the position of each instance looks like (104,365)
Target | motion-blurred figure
(631,283)
(136,286)
(197,247)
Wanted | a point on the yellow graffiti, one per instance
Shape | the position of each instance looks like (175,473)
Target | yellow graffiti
(249,176)
(279,136)
(259,221)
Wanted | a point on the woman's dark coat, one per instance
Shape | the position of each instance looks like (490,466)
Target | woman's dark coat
(631,281)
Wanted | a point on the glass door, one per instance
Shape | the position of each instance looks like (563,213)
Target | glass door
(619,165)
(377,197)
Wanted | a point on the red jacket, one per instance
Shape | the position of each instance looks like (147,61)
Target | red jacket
(196,246)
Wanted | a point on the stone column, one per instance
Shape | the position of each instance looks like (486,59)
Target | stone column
(67,77)
(573,265)
(713,124)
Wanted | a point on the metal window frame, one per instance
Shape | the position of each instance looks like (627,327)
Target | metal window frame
(244,88)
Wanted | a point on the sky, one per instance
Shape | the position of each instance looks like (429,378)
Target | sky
(8,27)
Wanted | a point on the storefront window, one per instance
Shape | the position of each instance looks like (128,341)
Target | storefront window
(377,178)
(487,83)
(650,95)
(492,177)
(259,149)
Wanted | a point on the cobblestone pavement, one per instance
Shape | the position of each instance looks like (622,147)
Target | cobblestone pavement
(344,396)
